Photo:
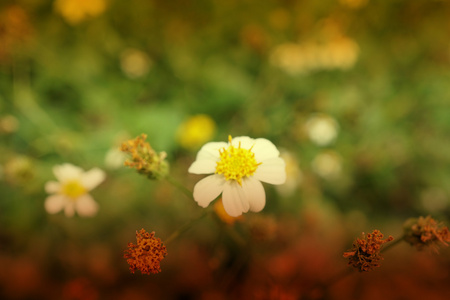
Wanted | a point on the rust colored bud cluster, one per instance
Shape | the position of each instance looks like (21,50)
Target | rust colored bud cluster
(147,254)
(426,233)
(365,253)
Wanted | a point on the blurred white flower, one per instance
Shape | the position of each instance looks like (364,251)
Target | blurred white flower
(115,158)
(239,166)
(327,164)
(135,63)
(322,129)
(71,191)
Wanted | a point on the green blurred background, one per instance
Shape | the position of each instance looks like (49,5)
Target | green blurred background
(355,93)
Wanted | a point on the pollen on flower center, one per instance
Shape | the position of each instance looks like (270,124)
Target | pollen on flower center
(73,189)
(236,163)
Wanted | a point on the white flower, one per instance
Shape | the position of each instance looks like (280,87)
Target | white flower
(115,158)
(70,192)
(239,166)
(322,129)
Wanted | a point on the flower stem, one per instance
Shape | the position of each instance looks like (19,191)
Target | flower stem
(180,187)
(392,244)
(185,227)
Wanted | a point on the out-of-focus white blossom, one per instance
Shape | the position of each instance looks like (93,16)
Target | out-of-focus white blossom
(115,158)
(322,129)
(71,192)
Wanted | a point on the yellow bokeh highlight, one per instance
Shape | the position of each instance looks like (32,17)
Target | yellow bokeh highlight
(196,131)
(300,58)
(76,11)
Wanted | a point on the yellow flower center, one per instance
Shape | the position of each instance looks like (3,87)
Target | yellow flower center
(73,189)
(236,163)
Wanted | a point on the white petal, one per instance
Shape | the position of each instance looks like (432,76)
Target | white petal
(272,171)
(55,203)
(235,200)
(256,195)
(207,189)
(69,210)
(52,187)
(66,172)
(203,166)
(86,206)
(92,178)
(245,141)
(210,151)
(264,149)
(205,162)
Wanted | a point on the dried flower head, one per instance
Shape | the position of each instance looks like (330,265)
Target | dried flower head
(144,159)
(147,254)
(365,254)
(426,232)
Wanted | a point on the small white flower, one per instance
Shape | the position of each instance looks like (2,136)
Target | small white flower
(239,166)
(322,129)
(115,158)
(71,191)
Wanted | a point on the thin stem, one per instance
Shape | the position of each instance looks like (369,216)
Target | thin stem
(185,227)
(392,244)
(239,240)
(180,187)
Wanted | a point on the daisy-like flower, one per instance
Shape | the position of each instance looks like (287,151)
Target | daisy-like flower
(239,166)
(71,191)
